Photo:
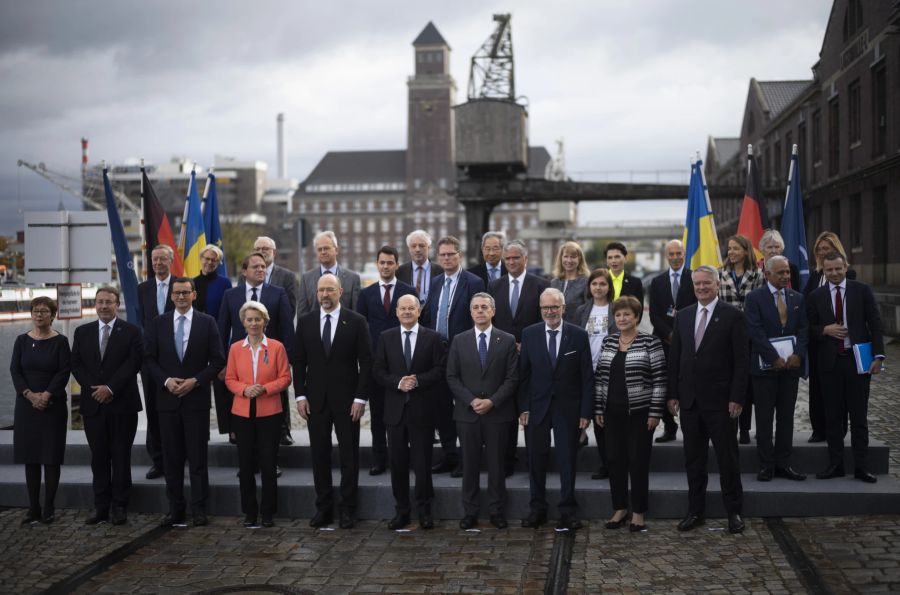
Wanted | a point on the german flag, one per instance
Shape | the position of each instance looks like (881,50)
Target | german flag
(754,215)
(156,225)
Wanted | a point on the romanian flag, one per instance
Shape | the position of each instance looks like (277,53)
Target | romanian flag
(701,244)
(754,215)
(156,225)
(194,235)
(211,226)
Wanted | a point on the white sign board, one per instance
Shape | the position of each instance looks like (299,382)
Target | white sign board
(68,300)
(67,247)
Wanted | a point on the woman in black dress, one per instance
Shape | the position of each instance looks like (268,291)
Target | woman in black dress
(40,371)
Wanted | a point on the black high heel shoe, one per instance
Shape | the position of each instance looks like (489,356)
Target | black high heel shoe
(618,524)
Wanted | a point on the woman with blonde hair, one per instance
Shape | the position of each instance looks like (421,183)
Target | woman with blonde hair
(570,276)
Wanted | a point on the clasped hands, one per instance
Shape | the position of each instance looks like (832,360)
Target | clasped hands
(734,409)
(407,383)
(39,401)
(254,390)
(481,406)
(600,420)
(356,410)
(792,363)
(181,386)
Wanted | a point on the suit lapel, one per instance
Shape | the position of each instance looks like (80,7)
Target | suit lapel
(493,345)
(461,281)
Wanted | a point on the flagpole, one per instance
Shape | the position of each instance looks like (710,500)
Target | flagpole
(181,236)
(143,228)
(205,193)
(787,192)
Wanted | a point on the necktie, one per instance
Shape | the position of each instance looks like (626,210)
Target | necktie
(387,298)
(839,314)
(676,283)
(782,307)
(701,328)
(326,334)
(552,348)
(104,340)
(419,274)
(179,338)
(253,295)
(407,351)
(444,310)
(514,299)
(482,349)
(160,298)
(494,273)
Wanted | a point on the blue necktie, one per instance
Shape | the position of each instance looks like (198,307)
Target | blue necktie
(407,351)
(514,300)
(552,349)
(179,338)
(444,310)
(494,274)
(482,349)
(160,298)
(326,334)
(254,296)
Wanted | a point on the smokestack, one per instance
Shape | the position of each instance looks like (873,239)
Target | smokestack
(84,157)
(282,157)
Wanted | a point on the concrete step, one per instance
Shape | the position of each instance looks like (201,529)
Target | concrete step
(668,457)
(668,495)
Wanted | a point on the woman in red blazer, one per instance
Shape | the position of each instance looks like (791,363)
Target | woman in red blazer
(256,373)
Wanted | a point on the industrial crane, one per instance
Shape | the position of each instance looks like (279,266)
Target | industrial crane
(92,186)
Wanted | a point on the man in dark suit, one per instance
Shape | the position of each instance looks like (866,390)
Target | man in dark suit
(154,299)
(281,323)
(106,359)
(332,370)
(623,284)
(842,314)
(447,312)
(556,393)
(278,275)
(775,312)
(419,271)
(491,267)
(670,291)
(708,369)
(410,364)
(184,353)
(482,372)
(378,305)
(326,245)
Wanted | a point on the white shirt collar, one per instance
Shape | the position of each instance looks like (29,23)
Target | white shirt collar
(842,284)
(676,271)
(189,315)
(772,288)
(323,270)
(334,313)
(486,331)
(547,328)
(454,276)
(709,307)
(111,323)
(414,329)
(391,282)
(520,278)
(264,342)
(166,280)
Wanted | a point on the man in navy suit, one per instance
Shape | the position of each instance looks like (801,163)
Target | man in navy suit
(775,311)
(556,393)
(447,312)
(106,359)
(670,291)
(491,268)
(843,313)
(184,353)
(154,299)
(708,374)
(378,305)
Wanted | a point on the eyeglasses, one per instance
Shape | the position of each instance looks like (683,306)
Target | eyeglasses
(41,312)
(182,293)
(550,308)
(447,254)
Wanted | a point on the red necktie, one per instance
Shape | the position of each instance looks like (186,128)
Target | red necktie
(387,298)
(839,313)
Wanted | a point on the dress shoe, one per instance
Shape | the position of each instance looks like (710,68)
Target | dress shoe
(789,473)
(232,440)
(534,520)
(398,522)
(97,517)
(118,516)
(499,521)
(583,441)
(601,473)
(32,516)
(863,475)
(666,437)
(49,516)
(744,438)
(320,519)
(765,474)
(347,521)
(267,521)
(154,473)
(568,523)
(173,520)
(378,469)
(735,523)
(444,466)
(277,471)
(636,528)
(468,522)
(691,522)
(816,437)
(617,524)
(830,472)
(457,472)
(250,522)
(286,439)
(200,519)
(426,521)
(509,470)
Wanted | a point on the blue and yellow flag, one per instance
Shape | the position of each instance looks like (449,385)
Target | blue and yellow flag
(211,220)
(701,244)
(194,236)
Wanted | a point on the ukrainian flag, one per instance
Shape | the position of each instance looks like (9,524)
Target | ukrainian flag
(194,235)
(701,244)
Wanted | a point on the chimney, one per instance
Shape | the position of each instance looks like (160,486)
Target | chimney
(282,157)
(84,157)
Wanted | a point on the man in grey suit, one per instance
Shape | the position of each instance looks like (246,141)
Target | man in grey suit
(326,245)
(482,373)
(278,275)
(419,271)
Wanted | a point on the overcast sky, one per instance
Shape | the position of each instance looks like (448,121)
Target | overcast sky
(629,85)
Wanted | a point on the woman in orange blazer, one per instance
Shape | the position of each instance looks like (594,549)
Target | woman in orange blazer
(256,373)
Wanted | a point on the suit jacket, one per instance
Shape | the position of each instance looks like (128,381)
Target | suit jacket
(631,285)
(661,301)
(342,375)
(497,381)
(460,319)
(274,298)
(203,359)
(429,363)
(715,372)
(480,271)
(309,284)
(118,369)
(583,314)
(529,307)
(863,321)
(815,277)
(287,280)
(147,309)
(568,387)
(371,306)
(763,323)
(273,371)
(575,292)
(405,274)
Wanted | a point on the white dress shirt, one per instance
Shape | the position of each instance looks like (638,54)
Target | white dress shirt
(452,289)
(558,330)
(382,286)
(254,352)
(709,310)
(521,280)
(487,337)
(843,289)
(334,320)
(248,292)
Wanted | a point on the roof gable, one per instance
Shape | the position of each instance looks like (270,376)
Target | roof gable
(430,36)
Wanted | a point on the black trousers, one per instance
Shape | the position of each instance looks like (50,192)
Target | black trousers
(153,440)
(816,401)
(600,437)
(746,418)
(257,442)
(409,446)
(111,437)
(184,437)
(776,395)
(285,413)
(376,426)
(846,392)
(565,436)
(628,445)
(511,455)
(224,399)
(486,440)
(320,426)
(446,426)
(670,426)
(699,428)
